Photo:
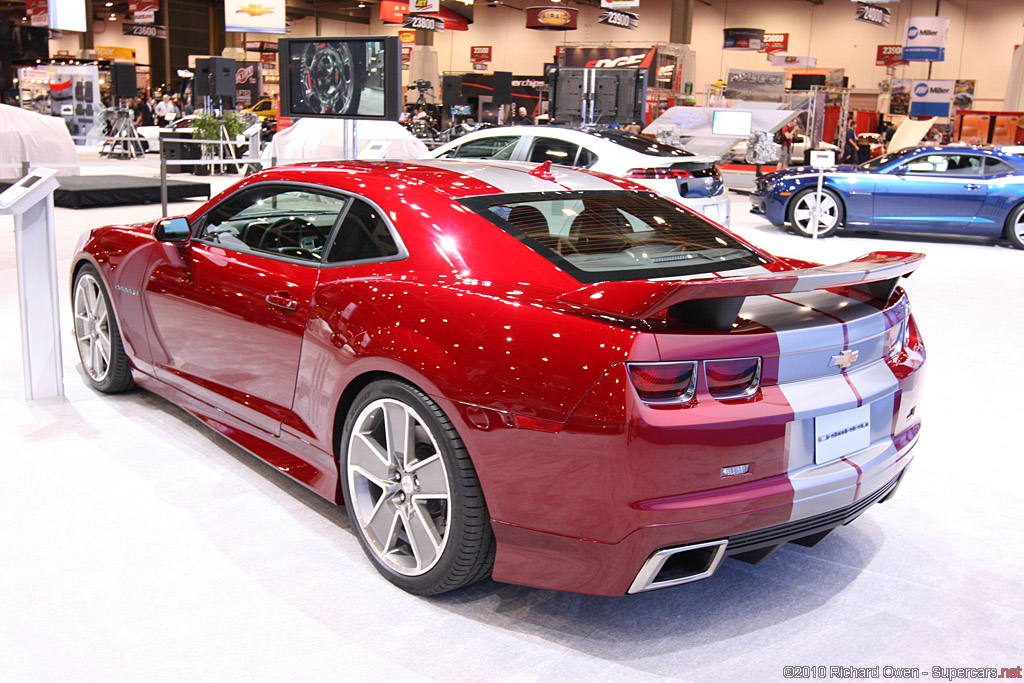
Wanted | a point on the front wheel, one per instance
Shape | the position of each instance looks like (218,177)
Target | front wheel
(1015,227)
(99,341)
(412,493)
(802,212)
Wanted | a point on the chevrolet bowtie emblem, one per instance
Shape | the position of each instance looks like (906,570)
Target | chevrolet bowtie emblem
(254,10)
(845,359)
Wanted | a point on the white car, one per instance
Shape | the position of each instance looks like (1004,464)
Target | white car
(690,179)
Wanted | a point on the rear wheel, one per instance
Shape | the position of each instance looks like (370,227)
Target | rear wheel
(412,493)
(802,212)
(1015,227)
(99,340)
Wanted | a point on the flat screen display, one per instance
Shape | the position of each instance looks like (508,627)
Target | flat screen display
(67,15)
(462,110)
(734,123)
(357,78)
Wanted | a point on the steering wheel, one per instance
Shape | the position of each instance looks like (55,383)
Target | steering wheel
(288,232)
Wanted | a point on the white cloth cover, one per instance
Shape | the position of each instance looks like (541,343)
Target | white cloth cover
(312,138)
(40,140)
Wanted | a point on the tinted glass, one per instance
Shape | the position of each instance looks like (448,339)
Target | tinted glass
(944,164)
(363,235)
(281,221)
(994,166)
(639,143)
(878,162)
(597,236)
(553,150)
(488,148)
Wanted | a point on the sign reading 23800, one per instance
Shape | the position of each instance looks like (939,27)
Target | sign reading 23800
(423,23)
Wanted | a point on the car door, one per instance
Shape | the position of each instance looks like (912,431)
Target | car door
(930,192)
(228,309)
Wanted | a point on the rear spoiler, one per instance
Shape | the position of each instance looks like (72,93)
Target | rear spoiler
(715,302)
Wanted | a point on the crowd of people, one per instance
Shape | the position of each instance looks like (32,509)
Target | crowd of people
(155,109)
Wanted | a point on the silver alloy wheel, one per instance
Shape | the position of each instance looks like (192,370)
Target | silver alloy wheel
(92,327)
(399,487)
(803,213)
(1018,227)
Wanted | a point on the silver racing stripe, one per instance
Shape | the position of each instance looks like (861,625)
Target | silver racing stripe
(512,177)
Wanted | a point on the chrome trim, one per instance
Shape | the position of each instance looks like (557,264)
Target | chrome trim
(644,580)
(685,398)
(755,384)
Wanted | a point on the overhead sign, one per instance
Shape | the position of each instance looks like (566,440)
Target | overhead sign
(775,42)
(254,16)
(930,98)
(261,46)
(406,36)
(889,55)
(552,18)
(743,38)
(873,14)
(38,12)
(619,18)
(619,4)
(144,30)
(425,6)
(394,11)
(108,53)
(422,23)
(794,61)
(147,16)
(480,54)
(761,86)
(924,39)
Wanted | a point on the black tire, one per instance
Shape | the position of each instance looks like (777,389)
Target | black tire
(1015,227)
(398,507)
(832,218)
(97,334)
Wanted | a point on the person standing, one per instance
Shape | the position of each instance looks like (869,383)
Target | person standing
(164,110)
(786,135)
(522,118)
(143,113)
(850,143)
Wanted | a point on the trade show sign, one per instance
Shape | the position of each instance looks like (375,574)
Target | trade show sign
(144,11)
(775,42)
(248,83)
(619,4)
(889,55)
(924,39)
(38,12)
(619,19)
(873,14)
(930,98)
(254,16)
(428,6)
(552,18)
(760,86)
(743,38)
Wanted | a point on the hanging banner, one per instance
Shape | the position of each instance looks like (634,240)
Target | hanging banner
(924,39)
(619,4)
(552,18)
(480,54)
(889,55)
(619,19)
(38,12)
(406,36)
(743,38)
(794,61)
(254,16)
(260,46)
(427,6)
(761,86)
(248,83)
(963,94)
(873,14)
(394,11)
(775,42)
(109,53)
(144,30)
(422,23)
(931,98)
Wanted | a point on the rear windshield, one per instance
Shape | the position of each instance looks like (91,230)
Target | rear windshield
(639,143)
(601,236)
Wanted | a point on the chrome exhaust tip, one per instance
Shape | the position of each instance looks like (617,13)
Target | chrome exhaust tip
(675,566)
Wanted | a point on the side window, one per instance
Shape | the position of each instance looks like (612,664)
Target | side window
(275,220)
(499,147)
(945,164)
(586,158)
(363,235)
(994,166)
(555,151)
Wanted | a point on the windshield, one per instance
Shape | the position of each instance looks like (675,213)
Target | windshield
(601,236)
(879,162)
(639,143)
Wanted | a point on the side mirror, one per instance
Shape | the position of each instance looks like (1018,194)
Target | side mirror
(173,230)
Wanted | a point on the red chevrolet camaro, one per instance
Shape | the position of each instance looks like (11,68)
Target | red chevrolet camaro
(545,375)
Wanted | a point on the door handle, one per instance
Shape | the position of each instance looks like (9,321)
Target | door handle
(972,186)
(281,300)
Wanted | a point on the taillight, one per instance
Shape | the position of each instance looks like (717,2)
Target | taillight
(733,378)
(664,382)
(657,173)
(895,337)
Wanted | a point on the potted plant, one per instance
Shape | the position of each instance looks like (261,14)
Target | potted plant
(209,127)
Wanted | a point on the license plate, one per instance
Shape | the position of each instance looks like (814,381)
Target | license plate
(841,434)
(711,211)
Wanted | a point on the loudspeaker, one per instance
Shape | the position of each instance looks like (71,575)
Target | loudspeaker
(451,91)
(502,87)
(222,77)
(122,80)
(201,81)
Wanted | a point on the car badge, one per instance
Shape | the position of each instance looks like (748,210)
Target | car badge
(844,359)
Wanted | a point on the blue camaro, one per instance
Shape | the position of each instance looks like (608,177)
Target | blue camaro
(942,190)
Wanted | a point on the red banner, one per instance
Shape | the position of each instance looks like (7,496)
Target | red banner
(480,54)
(889,55)
(143,5)
(38,12)
(552,18)
(407,54)
(775,42)
(394,11)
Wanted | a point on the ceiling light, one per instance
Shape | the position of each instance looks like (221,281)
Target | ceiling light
(113,17)
(109,4)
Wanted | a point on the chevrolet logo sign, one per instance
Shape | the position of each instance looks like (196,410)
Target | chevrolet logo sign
(254,10)
(844,359)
